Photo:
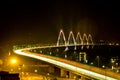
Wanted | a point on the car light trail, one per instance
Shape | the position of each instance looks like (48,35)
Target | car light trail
(66,66)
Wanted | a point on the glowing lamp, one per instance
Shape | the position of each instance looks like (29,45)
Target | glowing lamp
(13,61)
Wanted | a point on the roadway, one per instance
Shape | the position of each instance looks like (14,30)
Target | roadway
(72,66)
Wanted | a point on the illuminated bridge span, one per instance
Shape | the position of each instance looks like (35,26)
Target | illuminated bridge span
(83,70)
(77,68)
(79,40)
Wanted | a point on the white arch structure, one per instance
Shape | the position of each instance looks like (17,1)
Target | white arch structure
(63,35)
(79,39)
(71,35)
(82,40)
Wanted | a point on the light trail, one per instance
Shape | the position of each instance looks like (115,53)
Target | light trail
(66,66)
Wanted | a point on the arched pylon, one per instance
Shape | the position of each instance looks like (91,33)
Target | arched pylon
(71,35)
(85,38)
(61,33)
(79,37)
(90,41)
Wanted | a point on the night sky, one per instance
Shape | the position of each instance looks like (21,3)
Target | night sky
(40,23)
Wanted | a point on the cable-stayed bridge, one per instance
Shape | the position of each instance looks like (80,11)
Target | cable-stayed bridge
(68,67)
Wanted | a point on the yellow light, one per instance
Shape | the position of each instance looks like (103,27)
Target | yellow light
(19,68)
(13,61)
(35,70)
(11,69)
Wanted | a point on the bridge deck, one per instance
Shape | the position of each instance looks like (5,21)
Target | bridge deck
(74,66)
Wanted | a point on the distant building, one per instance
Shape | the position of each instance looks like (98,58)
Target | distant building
(7,76)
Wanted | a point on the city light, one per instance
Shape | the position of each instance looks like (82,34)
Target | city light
(13,61)
(35,70)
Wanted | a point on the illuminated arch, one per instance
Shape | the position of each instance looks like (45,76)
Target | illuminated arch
(71,35)
(61,33)
(90,40)
(85,39)
(79,39)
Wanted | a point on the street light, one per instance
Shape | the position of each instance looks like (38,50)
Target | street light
(13,61)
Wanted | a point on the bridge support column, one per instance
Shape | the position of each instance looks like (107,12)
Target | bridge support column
(63,73)
(71,75)
(51,69)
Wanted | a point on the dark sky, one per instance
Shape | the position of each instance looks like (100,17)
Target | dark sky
(26,23)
